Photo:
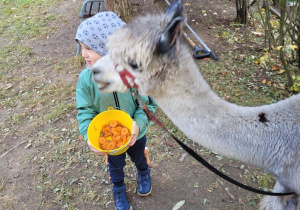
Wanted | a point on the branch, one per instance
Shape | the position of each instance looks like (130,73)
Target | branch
(12,148)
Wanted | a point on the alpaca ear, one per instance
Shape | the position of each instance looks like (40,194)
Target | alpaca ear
(172,33)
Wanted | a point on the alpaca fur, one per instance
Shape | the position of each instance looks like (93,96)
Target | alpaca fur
(152,50)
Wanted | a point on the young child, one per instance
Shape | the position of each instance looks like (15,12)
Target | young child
(92,36)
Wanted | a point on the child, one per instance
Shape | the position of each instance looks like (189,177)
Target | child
(92,36)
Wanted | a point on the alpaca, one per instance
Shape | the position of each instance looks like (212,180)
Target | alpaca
(149,53)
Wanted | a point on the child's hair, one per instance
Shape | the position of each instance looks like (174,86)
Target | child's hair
(93,32)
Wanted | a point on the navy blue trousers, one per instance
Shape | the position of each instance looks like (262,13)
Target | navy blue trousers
(117,163)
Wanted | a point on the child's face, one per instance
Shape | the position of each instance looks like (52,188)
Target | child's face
(89,55)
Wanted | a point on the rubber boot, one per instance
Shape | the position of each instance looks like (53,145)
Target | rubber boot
(144,183)
(120,198)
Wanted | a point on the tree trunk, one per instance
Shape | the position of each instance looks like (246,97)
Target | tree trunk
(241,11)
(123,8)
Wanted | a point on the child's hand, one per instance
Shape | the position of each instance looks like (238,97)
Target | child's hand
(135,133)
(95,150)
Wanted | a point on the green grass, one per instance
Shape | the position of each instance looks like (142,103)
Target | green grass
(29,17)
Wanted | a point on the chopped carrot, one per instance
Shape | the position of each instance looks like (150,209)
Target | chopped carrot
(107,135)
(125,141)
(124,131)
(113,135)
(111,145)
(116,133)
(102,140)
(105,127)
(120,144)
(113,123)
(104,146)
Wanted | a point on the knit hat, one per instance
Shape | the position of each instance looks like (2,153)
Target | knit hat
(93,32)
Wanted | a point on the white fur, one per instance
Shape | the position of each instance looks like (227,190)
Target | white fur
(266,136)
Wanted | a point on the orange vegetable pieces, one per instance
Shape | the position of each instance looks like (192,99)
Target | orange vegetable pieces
(116,133)
(111,145)
(102,140)
(113,123)
(104,145)
(107,135)
(118,139)
(105,129)
(124,131)
(120,144)
(124,141)
(113,135)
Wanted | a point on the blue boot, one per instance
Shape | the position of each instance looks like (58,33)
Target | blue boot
(144,183)
(120,198)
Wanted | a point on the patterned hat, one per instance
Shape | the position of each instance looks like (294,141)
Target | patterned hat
(93,32)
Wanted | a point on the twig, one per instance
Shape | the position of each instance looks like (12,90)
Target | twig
(12,148)
(226,189)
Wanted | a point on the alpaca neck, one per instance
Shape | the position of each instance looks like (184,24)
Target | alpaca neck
(204,117)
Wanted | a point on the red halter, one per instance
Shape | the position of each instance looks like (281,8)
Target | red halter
(123,75)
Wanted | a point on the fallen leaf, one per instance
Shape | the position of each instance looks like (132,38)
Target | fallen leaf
(293,47)
(27,146)
(281,71)
(8,86)
(258,34)
(178,205)
(238,94)
(182,157)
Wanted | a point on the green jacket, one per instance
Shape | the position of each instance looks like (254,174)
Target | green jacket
(90,102)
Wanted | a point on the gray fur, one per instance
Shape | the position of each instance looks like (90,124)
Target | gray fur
(266,136)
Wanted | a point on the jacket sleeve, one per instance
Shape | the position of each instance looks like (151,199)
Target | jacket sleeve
(140,116)
(85,107)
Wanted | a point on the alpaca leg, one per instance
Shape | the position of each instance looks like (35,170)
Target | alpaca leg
(290,202)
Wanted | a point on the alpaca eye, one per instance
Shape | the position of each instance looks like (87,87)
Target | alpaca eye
(133,64)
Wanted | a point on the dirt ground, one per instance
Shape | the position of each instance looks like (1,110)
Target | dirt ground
(44,165)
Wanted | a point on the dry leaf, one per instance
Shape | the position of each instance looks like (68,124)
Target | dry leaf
(255,33)
(178,205)
(293,47)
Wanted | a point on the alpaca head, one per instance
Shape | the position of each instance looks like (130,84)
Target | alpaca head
(141,51)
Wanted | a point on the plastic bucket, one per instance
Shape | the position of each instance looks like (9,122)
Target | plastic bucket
(95,128)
